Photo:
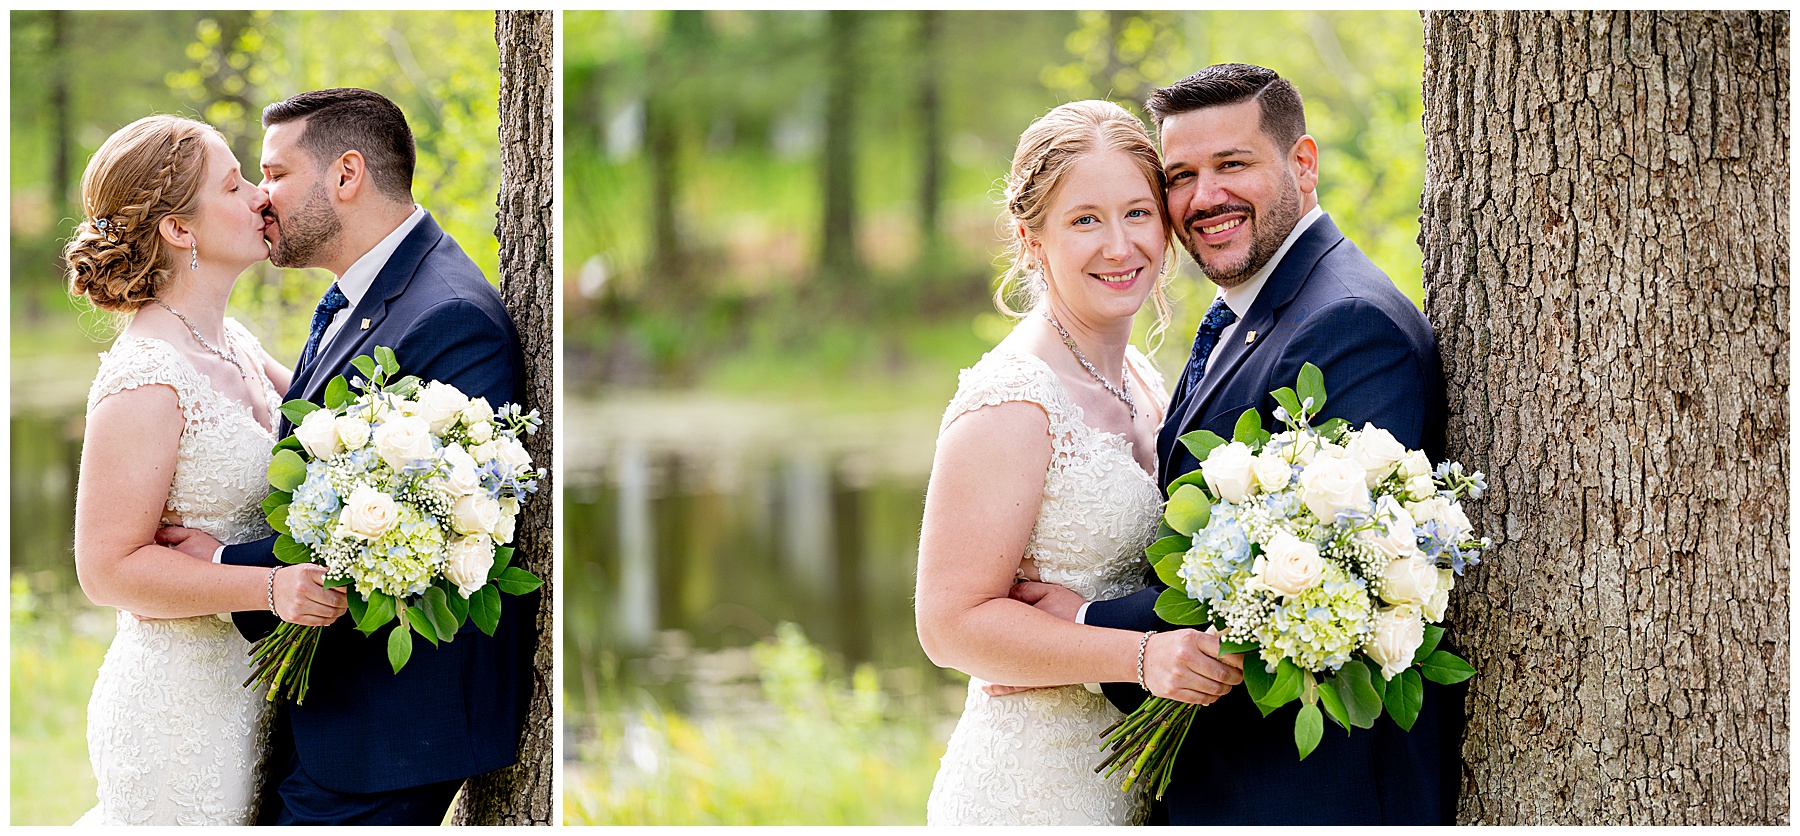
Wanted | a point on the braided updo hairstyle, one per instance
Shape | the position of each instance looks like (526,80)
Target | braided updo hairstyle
(1047,150)
(147,170)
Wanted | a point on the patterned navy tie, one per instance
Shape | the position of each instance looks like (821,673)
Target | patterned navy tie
(333,301)
(1217,317)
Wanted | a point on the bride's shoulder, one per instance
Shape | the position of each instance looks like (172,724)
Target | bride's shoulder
(134,361)
(1007,374)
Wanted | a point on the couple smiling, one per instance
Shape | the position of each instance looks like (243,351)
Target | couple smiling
(181,420)
(1054,455)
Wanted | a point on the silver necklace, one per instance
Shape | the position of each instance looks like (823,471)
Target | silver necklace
(202,340)
(1122,391)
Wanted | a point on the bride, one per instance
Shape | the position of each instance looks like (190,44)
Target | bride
(180,422)
(1045,470)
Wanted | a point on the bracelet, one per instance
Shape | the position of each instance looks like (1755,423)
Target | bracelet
(1143,643)
(278,615)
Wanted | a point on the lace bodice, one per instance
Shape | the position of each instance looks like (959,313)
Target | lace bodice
(1028,758)
(221,473)
(173,736)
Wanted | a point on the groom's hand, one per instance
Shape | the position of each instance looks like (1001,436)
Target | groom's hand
(188,541)
(1056,600)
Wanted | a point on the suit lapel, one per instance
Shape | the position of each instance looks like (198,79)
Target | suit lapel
(389,283)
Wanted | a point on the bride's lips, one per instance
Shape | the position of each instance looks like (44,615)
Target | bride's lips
(1118,279)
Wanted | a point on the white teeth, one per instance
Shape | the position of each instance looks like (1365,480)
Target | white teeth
(1221,227)
(1115,279)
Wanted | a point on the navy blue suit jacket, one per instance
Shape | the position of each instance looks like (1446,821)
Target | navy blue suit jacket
(455,710)
(1325,304)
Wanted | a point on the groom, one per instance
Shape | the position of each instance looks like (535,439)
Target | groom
(1242,178)
(371,746)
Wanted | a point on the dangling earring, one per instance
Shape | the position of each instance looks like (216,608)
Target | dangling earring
(195,263)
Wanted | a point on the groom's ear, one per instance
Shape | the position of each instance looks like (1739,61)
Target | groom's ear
(1304,157)
(350,173)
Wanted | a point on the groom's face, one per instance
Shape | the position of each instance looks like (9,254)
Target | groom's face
(303,226)
(1234,193)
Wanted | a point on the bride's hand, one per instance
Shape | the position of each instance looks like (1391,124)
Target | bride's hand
(1186,665)
(301,596)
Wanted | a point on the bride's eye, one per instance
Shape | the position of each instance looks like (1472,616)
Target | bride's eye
(1086,220)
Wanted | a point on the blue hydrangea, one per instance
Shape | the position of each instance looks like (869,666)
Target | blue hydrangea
(314,512)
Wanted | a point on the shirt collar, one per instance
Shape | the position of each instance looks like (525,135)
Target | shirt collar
(357,280)
(1239,298)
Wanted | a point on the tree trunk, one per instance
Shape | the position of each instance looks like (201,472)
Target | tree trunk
(521,794)
(1605,232)
(931,137)
(62,136)
(838,251)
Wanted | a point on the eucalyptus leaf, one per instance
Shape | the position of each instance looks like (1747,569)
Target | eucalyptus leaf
(1190,509)
(1201,442)
(399,646)
(290,442)
(278,519)
(287,470)
(1361,703)
(288,550)
(1175,607)
(1167,566)
(1193,477)
(276,500)
(1405,696)
(484,608)
(297,409)
(337,393)
(1309,729)
(1445,668)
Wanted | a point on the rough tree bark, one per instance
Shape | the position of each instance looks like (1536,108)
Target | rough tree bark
(522,794)
(838,257)
(1605,233)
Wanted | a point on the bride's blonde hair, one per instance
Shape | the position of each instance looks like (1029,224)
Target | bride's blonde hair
(1046,152)
(146,171)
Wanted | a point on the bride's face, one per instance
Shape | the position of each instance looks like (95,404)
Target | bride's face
(229,225)
(1103,238)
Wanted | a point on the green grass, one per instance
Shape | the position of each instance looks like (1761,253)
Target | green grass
(814,750)
(53,669)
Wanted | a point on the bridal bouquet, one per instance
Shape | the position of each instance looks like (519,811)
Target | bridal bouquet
(405,493)
(1325,555)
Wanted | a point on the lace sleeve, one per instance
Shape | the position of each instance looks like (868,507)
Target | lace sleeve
(135,362)
(1003,377)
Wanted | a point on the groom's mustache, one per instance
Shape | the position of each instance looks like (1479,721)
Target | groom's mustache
(1198,218)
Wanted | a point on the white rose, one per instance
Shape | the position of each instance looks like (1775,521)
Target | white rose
(460,477)
(1289,565)
(485,452)
(1434,608)
(1377,451)
(1457,521)
(467,563)
(509,515)
(368,513)
(1397,635)
(1420,486)
(317,434)
(440,404)
(401,439)
(482,432)
(1330,485)
(1409,580)
(1415,464)
(1429,509)
(354,432)
(477,412)
(476,513)
(1394,536)
(1272,472)
(1227,471)
(511,454)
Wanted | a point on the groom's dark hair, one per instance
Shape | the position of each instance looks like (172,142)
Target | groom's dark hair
(1283,115)
(348,118)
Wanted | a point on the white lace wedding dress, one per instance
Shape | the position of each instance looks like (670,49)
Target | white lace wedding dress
(173,735)
(1029,758)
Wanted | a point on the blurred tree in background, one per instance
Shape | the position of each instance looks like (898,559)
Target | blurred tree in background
(767,198)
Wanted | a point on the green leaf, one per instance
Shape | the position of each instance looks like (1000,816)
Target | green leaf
(337,393)
(1312,385)
(1405,696)
(1167,566)
(291,442)
(1378,682)
(389,363)
(1285,689)
(421,624)
(1309,729)
(380,610)
(1446,668)
(1249,429)
(1334,705)
(289,550)
(399,646)
(1238,647)
(1163,529)
(276,500)
(502,557)
(1288,401)
(1175,607)
(1257,681)
(516,581)
(1190,509)
(1193,477)
(404,387)
(339,583)
(1332,428)
(437,609)
(358,605)
(287,470)
(278,519)
(1361,703)
(296,410)
(1433,635)
(1201,442)
(365,364)
(484,608)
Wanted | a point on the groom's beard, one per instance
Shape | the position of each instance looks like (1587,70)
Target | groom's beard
(304,233)
(1266,235)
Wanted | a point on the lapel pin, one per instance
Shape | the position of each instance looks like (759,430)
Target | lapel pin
(1248,338)
(365,326)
